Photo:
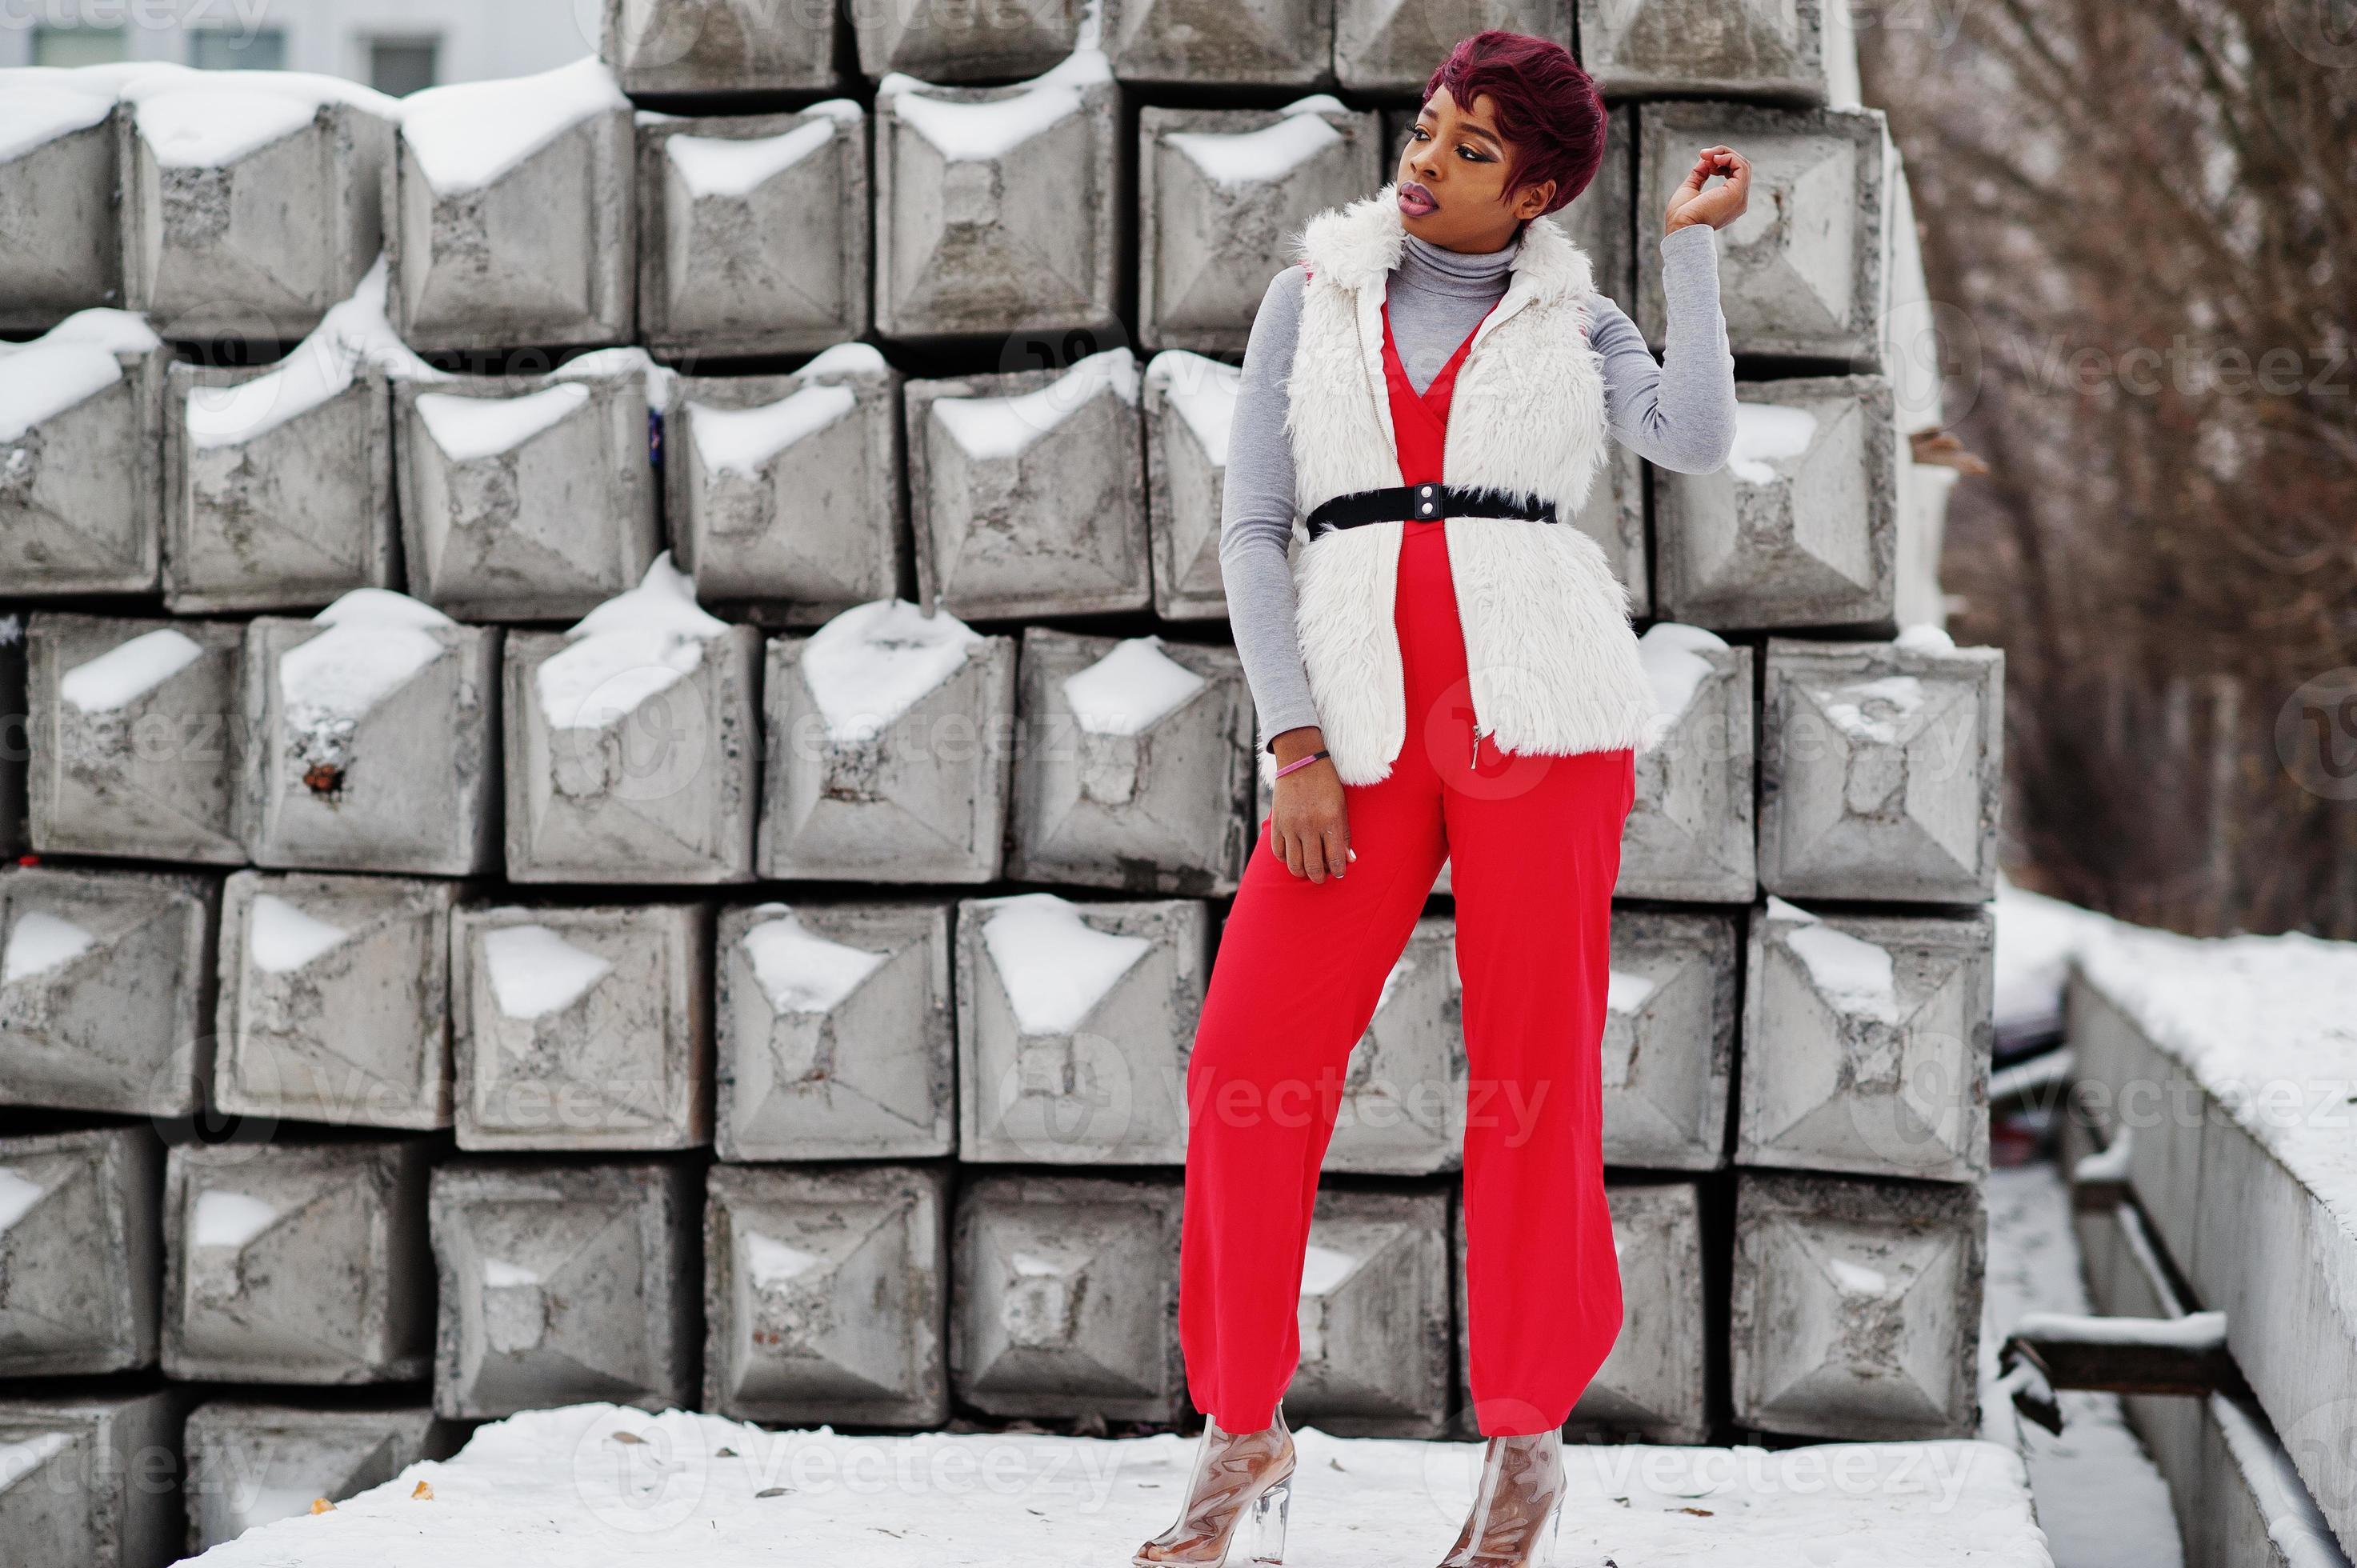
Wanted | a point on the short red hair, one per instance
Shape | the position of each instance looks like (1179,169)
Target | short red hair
(1542,101)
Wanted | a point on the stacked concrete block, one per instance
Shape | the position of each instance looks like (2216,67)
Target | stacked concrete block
(836,1037)
(753,231)
(1800,527)
(81,1488)
(1856,1307)
(632,741)
(1392,46)
(531,496)
(14,759)
(61,239)
(1865,1043)
(509,213)
(825,1294)
(1134,769)
(709,47)
(249,1464)
(998,209)
(561,1284)
(1027,490)
(335,999)
(371,740)
(297,1262)
(81,420)
(582,1028)
(1191,402)
(106,989)
(1881,768)
(1803,53)
(783,492)
(1614,516)
(1689,835)
(965,43)
(1225,43)
(80,1250)
(1669,1038)
(1404,1089)
(1074,1022)
(1374,1317)
(1222,195)
(1065,1297)
(132,738)
(889,748)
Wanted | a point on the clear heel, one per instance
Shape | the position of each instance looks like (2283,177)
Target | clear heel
(1268,1514)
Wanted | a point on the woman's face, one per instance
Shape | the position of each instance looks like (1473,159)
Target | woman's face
(1452,178)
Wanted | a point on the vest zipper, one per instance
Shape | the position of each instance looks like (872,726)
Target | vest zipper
(1476,762)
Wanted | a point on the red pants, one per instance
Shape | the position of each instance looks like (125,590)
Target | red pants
(1534,844)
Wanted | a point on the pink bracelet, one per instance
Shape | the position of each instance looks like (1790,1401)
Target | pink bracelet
(1298,762)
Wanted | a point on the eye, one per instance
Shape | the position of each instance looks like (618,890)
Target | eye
(1472,154)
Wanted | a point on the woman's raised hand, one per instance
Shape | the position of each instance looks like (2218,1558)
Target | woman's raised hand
(1306,826)
(1721,204)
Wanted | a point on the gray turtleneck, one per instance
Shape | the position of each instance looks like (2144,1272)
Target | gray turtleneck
(1678,412)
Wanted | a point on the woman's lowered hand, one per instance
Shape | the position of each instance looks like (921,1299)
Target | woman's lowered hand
(1307,825)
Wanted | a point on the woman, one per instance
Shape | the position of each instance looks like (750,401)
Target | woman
(1449,672)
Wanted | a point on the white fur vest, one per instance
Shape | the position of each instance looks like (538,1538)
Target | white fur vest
(1550,659)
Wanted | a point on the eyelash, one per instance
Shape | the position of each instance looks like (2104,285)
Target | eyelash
(1477,157)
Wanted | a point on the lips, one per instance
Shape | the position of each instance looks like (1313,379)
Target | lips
(1414,201)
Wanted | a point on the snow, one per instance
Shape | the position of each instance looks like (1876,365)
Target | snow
(1055,966)
(230,1219)
(283,939)
(190,118)
(467,135)
(1922,636)
(1323,1269)
(123,332)
(770,1261)
(468,429)
(1853,974)
(2035,937)
(70,364)
(617,364)
(20,1457)
(1263,156)
(1671,656)
(997,126)
(988,427)
(1627,994)
(846,359)
(34,113)
(352,334)
(212,126)
(871,663)
(129,669)
(534,972)
(374,642)
(1875,711)
(800,970)
(629,648)
(739,440)
(1130,688)
(1765,433)
(40,942)
(2194,1331)
(18,1193)
(1204,392)
(718,166)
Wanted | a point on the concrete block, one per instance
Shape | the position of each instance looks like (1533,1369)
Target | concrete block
(133,740)
(1222,195)
(61,239)
(335,999)
(1614,516)
(1223,43)
(963,43)
(106,989)
(1135,767)
(1802,273)
(1801,527)
(1669,1038)
(1374,1317)
(1805,52)
(371,740)
(999,209)
(252,199)
(1865,1043)
(527,497)
(582,1028)
(825,1294)
(783,493)
(716,47)
(632,741)
(80,1252)
(1689,836)
(509,216)
(1027,490)
(1394,46)
(1405,1087)
(81,421)
(1066,1297)
(251,1463)
(1074,1023)
(890,737)
(564,1284)
(1191,402)
(297,1262)
(753,236)
(1856,1307)
(15,732)
(837,1040)
(81,1492)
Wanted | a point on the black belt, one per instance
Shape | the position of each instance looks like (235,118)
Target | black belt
(1410,503)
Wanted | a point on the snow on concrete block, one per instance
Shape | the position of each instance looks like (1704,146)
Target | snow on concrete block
(61,246)
(1191,402)
(561,1283)
(582,1028)
(1669,1038)
(509,214)
(1856,1307)
(783,493)
(251,1463)
(371,740)
(80,1487)
(1392,46)
(1403,1091)
(1373,1317)
(133,734)
(1227,43)
(1134,767)
(1804,52)
(998,209)
(837,1040)
(335,999)
(297,1262)
(890,737)
(1689,836)
(1881,768)
(631,742)
(709,47)
(527,497)
(82,422)
(824,1295)
(1074,1021)
(965,43)
(754,231)
(106,990)
(1027,491)
(1065,1300)
(81,1248)
(1865,1043)
(1222,193)
(1801,527)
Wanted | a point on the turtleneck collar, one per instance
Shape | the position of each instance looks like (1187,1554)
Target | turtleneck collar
(1479,276)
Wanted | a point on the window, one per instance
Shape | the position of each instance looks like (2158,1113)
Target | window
(80,45)
(236,48)
(399,67)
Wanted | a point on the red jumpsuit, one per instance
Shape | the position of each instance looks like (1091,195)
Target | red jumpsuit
(1533,843)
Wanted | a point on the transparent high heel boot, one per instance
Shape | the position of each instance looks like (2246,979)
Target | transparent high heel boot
(1237,1500)
(1517,1515)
